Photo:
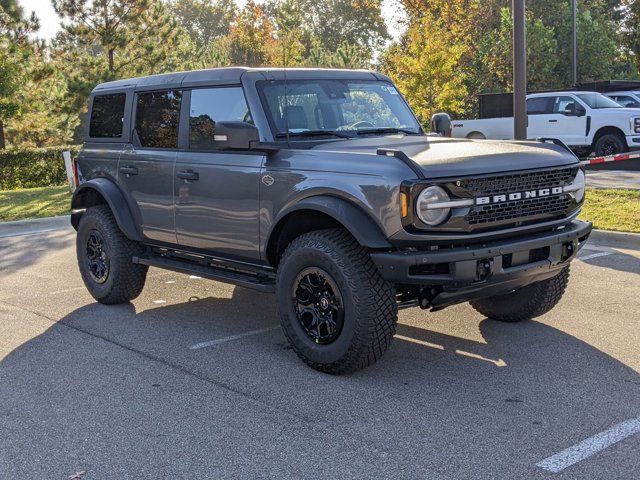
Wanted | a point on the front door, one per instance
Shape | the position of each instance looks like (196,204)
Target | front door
(146,167)
(217,192)
(568,127)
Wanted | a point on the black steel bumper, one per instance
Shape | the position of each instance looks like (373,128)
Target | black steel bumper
(466,273)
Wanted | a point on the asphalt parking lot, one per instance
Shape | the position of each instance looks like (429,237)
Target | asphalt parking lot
(195,380)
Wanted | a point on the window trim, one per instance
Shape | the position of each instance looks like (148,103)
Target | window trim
(126,123)
(134,117)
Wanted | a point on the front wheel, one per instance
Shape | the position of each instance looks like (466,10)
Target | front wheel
(525,303)
(610,144)
(336,310)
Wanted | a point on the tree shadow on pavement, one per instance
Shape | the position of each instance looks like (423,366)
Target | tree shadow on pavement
(117,390)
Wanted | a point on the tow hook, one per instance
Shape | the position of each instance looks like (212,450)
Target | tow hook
(567,251)
(484,269)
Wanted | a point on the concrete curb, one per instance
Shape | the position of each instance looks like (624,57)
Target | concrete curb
(615,239)
(35,225)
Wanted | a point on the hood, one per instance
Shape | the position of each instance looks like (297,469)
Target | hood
(448,157)
(623,112)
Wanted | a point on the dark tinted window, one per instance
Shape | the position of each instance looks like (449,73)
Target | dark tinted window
(107,115)
(157,118)
(540,105)
(211,105)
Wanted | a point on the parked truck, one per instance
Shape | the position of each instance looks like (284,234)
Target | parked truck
(588,122)
(319,186)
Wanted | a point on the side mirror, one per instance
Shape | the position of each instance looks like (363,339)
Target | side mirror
(235,135)
(574,110)
(441,124)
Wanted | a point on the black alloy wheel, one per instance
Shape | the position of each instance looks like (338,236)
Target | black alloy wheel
(97,257)
(318,304)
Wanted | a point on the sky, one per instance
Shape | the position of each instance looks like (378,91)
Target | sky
(50,22)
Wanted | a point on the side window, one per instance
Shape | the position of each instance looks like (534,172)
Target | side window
(107,115)
(211,105)
(625,100)
(539,105)
(562,103)
(157,116)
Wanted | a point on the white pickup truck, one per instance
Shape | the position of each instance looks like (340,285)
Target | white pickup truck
(588,122)
(627,98)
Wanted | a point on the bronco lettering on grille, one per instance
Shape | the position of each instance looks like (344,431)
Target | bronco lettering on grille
(510,197)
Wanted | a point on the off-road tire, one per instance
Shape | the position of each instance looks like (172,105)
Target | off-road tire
(125,279)
(609,139)
(370,308)
(525,303)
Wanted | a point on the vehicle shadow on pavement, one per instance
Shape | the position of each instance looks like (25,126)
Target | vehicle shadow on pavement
(618,260)
(124,377)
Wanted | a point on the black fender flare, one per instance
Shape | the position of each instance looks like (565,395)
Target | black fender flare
(363,228)
(114,197)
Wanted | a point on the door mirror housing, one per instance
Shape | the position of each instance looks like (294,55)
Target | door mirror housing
(441,124)
(575,110)
(235,135)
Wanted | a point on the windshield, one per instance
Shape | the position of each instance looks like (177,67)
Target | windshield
(340,108)
(597,100)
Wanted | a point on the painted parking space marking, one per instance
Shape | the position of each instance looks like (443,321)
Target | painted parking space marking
(595,255)
(498,363)
(592,445)
(218,341)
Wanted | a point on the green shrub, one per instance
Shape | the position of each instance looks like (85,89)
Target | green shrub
(33,167)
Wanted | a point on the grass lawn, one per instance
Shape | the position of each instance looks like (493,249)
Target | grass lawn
(613,209)
(34,203)
(607,209)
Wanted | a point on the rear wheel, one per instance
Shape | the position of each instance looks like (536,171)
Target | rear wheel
(105,258)
(609,144)
(525,303)
(336,310)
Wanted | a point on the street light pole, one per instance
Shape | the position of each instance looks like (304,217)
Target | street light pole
(574,51)
(519,71)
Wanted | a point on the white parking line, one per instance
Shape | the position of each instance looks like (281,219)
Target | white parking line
(595,255)
(218,341)
(590,446)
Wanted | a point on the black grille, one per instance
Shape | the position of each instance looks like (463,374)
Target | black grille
(519,182)
(519,211)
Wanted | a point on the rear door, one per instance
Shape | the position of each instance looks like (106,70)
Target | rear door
(146,165)
(216,192)
(539,110)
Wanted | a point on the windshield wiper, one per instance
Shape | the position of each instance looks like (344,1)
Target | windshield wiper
(386,130)
(314,133)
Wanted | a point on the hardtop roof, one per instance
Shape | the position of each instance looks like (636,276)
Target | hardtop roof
(232,75)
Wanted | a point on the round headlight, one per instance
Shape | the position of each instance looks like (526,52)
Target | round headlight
(425,205)
(579,181)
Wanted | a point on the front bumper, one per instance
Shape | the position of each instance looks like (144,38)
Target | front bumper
(493,268)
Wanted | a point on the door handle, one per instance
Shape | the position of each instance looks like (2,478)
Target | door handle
(188,175)
(129,170)
(553,121)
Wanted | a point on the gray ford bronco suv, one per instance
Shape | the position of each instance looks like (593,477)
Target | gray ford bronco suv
(320,186)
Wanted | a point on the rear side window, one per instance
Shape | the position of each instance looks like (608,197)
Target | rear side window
(157,118)
(107,115)
(211,105)
(540,105)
